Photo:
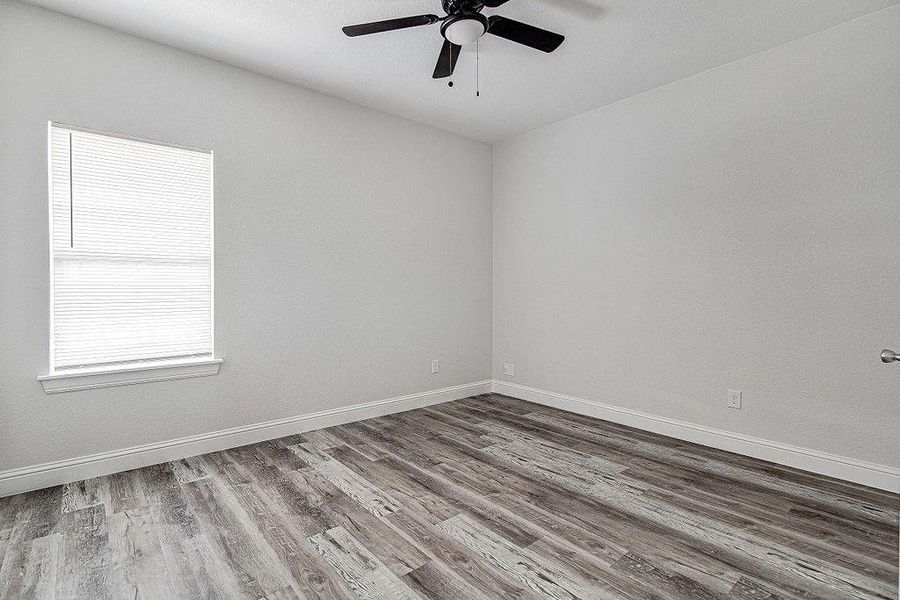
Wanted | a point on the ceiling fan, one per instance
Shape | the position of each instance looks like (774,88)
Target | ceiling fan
(463,24)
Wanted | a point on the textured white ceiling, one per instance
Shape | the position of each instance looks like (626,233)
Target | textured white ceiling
(613,49)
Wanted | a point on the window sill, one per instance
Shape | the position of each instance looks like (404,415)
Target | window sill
(87,380)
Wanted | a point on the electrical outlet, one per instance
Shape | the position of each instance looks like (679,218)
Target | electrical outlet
(734,399)
(436,365)
(509,369)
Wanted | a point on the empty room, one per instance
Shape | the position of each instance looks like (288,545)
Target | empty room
(449,299)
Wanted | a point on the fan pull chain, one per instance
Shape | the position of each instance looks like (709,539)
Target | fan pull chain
(477,91)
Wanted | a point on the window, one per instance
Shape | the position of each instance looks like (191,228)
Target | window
(131,257)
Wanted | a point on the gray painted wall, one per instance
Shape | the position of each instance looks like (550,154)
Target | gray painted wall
(736,229)
(345,259)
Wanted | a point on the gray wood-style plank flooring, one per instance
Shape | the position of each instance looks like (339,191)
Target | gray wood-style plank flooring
(487,497)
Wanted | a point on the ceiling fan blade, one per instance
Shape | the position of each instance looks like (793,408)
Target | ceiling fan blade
(447,60)
(522,33)
(389,25)
(494,3)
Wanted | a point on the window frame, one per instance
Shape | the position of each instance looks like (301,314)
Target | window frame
(160,369)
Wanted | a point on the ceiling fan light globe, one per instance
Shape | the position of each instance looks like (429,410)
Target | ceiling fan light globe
(464,31)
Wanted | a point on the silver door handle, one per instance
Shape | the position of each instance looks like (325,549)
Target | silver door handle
(889,356)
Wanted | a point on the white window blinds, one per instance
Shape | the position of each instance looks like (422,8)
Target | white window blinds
(131,251)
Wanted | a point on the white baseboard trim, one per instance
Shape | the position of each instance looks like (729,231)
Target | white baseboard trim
(15,481)
(849,469)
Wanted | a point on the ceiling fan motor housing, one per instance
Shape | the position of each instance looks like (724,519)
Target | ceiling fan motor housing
(464,29)
(458,7)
